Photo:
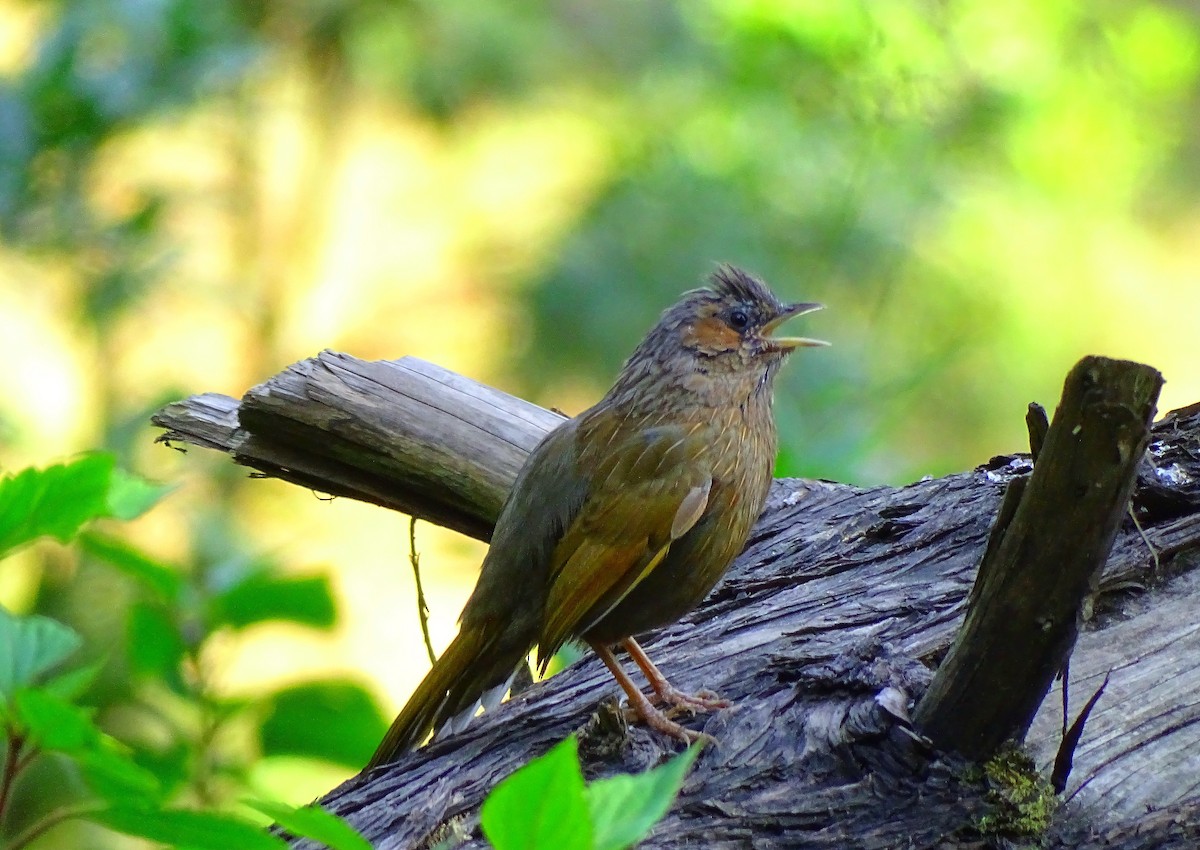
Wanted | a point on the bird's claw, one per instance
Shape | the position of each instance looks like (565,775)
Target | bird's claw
(660,722)
(678,701)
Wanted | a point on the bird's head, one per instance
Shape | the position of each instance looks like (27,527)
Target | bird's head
(719,340)
(735,319)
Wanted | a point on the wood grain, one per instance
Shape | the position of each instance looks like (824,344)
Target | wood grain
(403,434)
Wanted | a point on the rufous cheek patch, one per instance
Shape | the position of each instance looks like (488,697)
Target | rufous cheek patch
(713,335)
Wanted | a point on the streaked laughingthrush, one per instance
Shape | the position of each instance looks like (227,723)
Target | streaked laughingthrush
(625,517)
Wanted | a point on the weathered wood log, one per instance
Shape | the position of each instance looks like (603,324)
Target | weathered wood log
(404,434)
(831,618)
(1048,544)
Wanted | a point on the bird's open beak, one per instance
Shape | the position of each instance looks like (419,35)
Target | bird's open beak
(787,343)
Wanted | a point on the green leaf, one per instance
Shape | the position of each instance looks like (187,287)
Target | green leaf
(115,776)
(624,808)
(541,806)
(333,720)
(313,822)
(171,766)
(264,596)
(69,684)
(130,496)
(182,828)
(156,648)
(54,501)
(53,722)
(161,579)
(29,646)
(107,766)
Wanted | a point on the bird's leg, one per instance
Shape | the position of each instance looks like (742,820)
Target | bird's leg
(640,703)
(665,691)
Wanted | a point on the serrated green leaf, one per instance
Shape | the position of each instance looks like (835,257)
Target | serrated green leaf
(116,777)
(53,722)
(541,806)
(29,647)
(55,501)
(333,720)
(624,808)
(56,725)
(156,648)
(263,596)
(160,578)
(130,496)
(313,822)
(183,828)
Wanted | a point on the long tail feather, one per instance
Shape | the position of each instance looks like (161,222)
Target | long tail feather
(470,666)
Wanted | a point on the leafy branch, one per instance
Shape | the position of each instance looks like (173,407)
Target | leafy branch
(43,679)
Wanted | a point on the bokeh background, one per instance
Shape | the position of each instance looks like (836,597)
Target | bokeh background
(196,193)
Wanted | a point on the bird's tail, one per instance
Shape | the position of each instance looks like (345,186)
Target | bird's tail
(472,667)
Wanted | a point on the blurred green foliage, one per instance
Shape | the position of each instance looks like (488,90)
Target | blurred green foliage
(102,68)
(831,147)
(129,784)
(846,151)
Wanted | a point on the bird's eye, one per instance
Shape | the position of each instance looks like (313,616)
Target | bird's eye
(738,319)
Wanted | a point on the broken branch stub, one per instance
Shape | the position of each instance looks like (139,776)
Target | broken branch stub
(406,434)
(1041,561)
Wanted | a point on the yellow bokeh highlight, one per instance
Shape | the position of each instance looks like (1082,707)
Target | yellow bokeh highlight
(1160,47)
(20,25)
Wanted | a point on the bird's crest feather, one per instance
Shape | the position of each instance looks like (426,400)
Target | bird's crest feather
(732,282)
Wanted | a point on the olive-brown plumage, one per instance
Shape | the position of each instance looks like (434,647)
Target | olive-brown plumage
(623,518)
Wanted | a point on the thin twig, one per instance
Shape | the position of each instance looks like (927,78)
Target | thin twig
(422,606)
(1065,675)
(1146,540)
(12,766)
(53,819)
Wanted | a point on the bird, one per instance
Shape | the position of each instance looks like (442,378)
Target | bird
(623,518)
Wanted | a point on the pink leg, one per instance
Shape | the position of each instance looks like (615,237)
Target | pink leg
(640,704)
(665,691)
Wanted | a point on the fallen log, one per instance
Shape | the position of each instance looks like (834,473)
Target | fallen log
(827,629)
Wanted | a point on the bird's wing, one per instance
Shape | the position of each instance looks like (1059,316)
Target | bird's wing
(645,493)
(545,499)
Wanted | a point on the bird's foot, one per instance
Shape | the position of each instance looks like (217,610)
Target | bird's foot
(640,709)
(667,694)
(677,700)
(648,715)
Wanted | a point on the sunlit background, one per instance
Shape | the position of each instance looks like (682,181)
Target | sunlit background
(195,194)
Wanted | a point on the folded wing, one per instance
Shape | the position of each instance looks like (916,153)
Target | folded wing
(646,492)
